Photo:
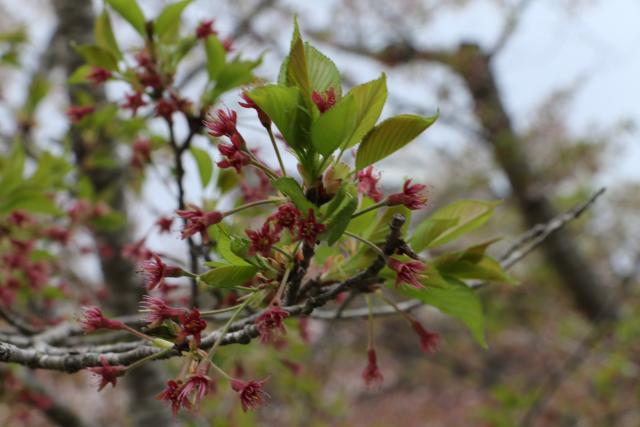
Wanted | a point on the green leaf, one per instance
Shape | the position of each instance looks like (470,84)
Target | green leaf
(340,217)
(390,136)
(369,100)
(38,90)
(228,276)
(205,164)
(168,22)
(224,246)
(323,73)
(12,170)
(98,56)
(284,106)
(104,35)
(235,74)
(334,127)
(79,76)
(290,188)
(452,221)
(215,56)
(454,298)
(472,263)
(365,223)
(298,73)
(29,199)
(130,12)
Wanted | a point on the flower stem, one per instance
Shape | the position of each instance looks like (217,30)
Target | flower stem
(380,295)
(369,209)
(137,333)
(226,328)
(370,319)
(254,204)
(285,278)
(366,242)
(221,372)
(275,147)
(146,359)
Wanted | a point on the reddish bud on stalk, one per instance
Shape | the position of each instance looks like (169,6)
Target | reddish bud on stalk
(155,271)
(77,113)
(372,375)
(324,101)
(92,319)
(270,323)
(205,29)
(133,102)
(309,229)
(407,272)
(107,374)
(262,240)
(429,341)
(412,196)
(252,395)
(368,184)
(249,103)
(191,325)
(222,125)
(197,221)
(159,311)
(99,75)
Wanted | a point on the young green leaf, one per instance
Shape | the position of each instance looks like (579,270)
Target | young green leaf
(297,71)
(454,298)
(205,164)
(369,101)
(235,74)
(339,218)
(167,23)
(285,107)
(450,222)
(331,129)
(79,76)
(290,188)
(130,12)
(215,56)
(472,263)
(228,276)
(104,35)
(390,136)
(323,73)
(98,56)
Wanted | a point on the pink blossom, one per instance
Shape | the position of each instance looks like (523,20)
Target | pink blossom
(252,395)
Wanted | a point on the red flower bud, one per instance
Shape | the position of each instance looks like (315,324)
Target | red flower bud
(270,323)
(197,221)
(262,240)
(99,75)
(429,341)
(371,374)
(223,125)
(411,196)
(325,100)
(252,395)
(368,184)
(205,29)
(92,319)
(107,374)
(406,272)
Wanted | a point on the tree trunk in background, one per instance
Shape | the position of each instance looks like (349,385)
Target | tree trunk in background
(75,24)
(590,293)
